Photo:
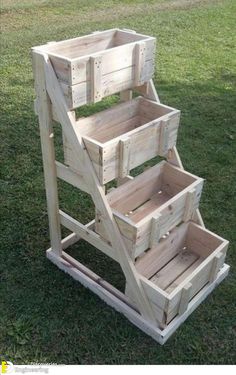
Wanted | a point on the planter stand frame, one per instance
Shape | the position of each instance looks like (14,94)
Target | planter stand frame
(50,95)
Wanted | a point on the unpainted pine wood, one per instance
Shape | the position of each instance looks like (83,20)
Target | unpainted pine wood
(48,153)
(216,264)
(124,157)
(115,82)
(160,255)
(68,175)
(185,297)
(96,77)
(176,266)
(151,92)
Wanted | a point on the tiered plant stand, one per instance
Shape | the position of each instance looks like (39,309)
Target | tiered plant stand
(150,224)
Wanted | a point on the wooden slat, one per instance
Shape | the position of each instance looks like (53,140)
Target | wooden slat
(189,205)
(87,234)
(167,249)
(96,77)
(140,51)
(66,174)
(185,297)
(48,153)
(115,82)
(173,269)
(217,262)
(155,230)
(184,275)
(124,157)
(164,138)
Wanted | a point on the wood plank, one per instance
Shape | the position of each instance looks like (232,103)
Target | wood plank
(120,80)
(189,205)
(185,297)
(150,206)
(87,234)
(216,264)
(48,153)
(160,255)
(132,194)
(124,157)
(140,57)
(173,269)
(96,77)
(184,275)
(67,175)
(155,231)
(164,138)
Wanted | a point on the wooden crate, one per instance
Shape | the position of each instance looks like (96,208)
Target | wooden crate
(179,267)
(125,136)
(152,204)
(101,64)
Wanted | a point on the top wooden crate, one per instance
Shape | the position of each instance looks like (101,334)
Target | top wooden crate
(100,64)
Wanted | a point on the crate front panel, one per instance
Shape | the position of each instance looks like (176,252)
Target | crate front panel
(186,257)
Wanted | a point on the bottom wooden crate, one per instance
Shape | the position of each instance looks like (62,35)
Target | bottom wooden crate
(118,300)
(173,272)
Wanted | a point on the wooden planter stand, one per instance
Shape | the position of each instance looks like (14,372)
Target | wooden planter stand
(150,224)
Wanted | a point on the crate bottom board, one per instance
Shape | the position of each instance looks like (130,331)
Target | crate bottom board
(118,300)
(169,276)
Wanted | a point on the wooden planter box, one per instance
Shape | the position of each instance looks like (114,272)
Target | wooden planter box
(101,64)
(179,267)
(152,204)
(125,136)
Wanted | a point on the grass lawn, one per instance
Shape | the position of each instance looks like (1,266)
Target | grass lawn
(44,315)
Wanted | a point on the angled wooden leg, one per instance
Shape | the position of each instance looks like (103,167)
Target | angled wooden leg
(69,127)
(46,135)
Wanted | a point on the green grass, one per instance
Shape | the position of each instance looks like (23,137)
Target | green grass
(44,315)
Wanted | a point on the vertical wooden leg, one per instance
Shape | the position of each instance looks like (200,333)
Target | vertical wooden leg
(48,153)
